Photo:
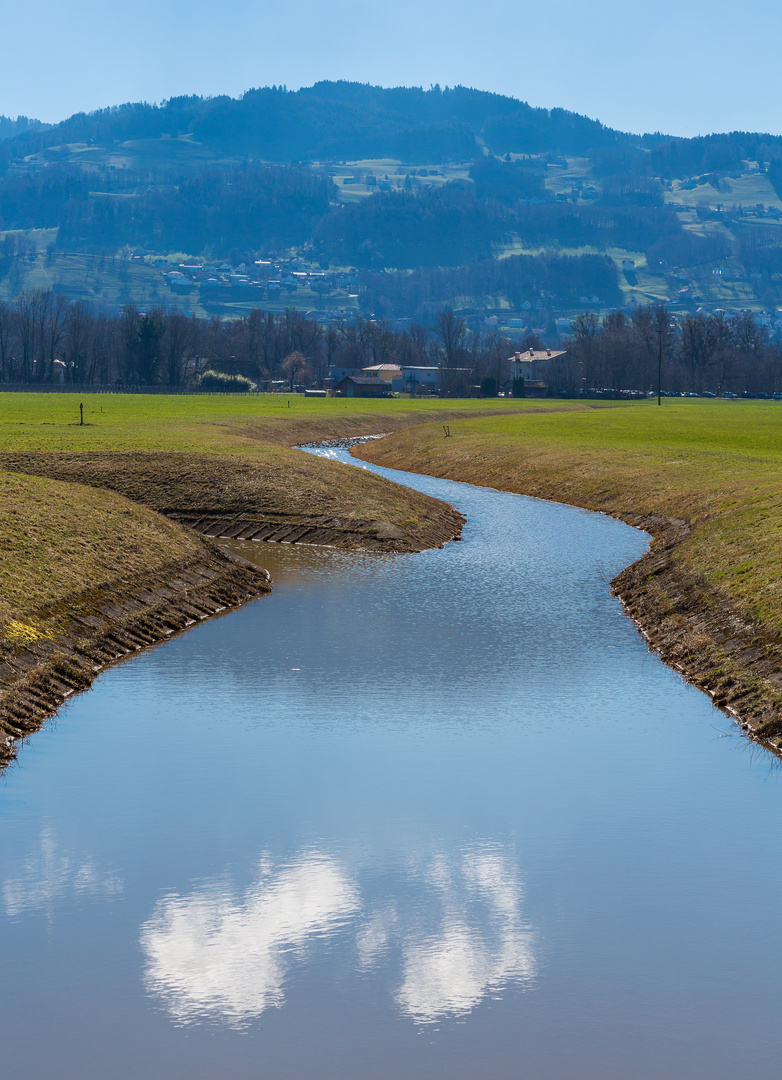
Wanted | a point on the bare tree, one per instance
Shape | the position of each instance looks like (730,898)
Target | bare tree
(451,330)
(296,368)
(178,339)
(6,340)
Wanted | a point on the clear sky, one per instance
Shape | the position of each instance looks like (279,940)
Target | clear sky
(685,69)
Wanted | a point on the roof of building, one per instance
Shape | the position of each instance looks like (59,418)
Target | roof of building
(383,367)
(537,354)
(366,380)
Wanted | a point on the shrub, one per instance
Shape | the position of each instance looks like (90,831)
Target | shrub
(222,383)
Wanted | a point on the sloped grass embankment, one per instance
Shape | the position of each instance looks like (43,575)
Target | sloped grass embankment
(703,477)
(101,552)
(87,577)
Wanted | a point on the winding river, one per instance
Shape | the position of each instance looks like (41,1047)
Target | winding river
(411,816)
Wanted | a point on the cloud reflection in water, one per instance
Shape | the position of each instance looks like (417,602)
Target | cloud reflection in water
(456,929)
(213,955)
(467,940)
(53,873)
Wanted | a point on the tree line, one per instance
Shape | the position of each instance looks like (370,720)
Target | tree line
(520,279)
(45,338)
(699,352)
(334,119)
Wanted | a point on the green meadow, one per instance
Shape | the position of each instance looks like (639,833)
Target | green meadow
(218,422)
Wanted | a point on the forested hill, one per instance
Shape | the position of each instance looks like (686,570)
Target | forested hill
(400,181)
(10,128)
(339,119)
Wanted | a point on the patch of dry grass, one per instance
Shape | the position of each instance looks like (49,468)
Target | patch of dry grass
(59,539)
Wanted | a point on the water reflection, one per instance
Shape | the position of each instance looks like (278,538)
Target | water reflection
(480,941)
(454,929)
(464,722)
(215,954)
(49,874)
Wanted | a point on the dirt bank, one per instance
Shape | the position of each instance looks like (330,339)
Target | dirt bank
(712,637)
(86,577)
(57,650)
(101,554)
(283,495)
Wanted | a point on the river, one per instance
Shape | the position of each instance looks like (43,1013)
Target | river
(411,816)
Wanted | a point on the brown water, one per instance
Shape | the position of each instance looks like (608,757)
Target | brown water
(427,816)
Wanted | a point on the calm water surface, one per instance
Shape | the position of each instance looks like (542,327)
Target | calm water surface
(425,816)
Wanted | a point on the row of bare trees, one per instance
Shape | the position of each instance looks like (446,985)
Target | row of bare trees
(716,352)
(47,338)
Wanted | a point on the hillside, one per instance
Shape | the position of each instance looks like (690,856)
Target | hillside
(9,127)
(393,184)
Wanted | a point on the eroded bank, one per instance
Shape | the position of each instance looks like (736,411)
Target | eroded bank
(104,554)
(690,593)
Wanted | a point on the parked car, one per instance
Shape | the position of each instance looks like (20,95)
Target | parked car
(728,394)
(708,393)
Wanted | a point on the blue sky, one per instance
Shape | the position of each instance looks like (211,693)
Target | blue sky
(684,69)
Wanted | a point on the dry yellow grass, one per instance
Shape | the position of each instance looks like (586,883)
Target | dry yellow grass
(59,539)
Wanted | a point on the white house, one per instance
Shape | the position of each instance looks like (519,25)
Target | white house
(534,367)
(428,377)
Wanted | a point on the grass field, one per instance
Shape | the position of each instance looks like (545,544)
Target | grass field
(222,423)
(747,190)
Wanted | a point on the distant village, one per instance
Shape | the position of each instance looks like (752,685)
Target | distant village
(271,281)
(530,374)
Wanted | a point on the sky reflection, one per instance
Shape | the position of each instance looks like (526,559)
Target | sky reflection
(480,941)
(216,955)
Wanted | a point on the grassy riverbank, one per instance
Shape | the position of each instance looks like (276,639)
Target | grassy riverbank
(96,557)
(86,577)
(702,476)
(225,466)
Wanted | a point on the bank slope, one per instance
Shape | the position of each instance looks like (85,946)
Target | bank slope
(265,493)
(704,478)
(87,577)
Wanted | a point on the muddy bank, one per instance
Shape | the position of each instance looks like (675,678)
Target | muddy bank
(703,633)
(54,651)
(695,626)
(278,495)
(104,558)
